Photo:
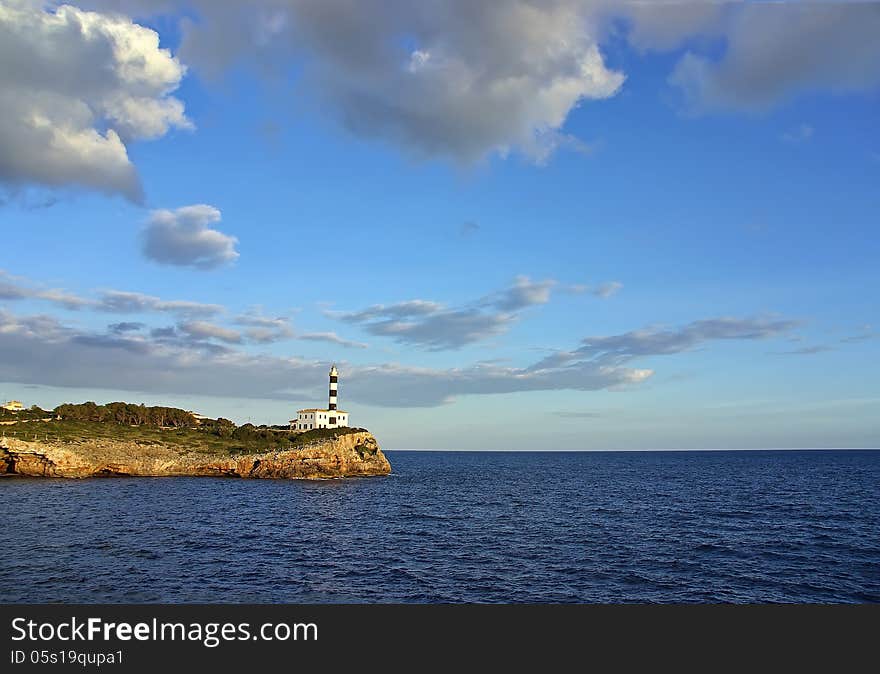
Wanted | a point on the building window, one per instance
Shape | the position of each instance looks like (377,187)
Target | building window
(332,420)
(334,378)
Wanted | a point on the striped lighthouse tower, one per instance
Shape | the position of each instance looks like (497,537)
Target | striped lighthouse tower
(334,379)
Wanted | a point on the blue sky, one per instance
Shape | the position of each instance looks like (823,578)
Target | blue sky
(620,250)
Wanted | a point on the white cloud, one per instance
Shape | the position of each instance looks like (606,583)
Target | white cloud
(38,349)
(265,329)
(108,301)
(458,79)
(75,87)
(16,288)
(184,238)
(774,51)
(121,302)
(664,26)
(333,338)
(607,289)
(436,327)
(654,341)
(41,350)
(206,330)
(523,293)
(467,80)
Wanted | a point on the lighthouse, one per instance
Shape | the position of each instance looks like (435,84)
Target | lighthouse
(334,383)
(314,417)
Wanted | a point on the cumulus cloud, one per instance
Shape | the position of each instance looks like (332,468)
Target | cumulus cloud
(773,51)
(466,79)
(663,26)
(75,88)
(456,79)
(183,237)
(436,327)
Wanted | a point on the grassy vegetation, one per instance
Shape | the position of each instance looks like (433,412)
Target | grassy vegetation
(30,413)
(245,439)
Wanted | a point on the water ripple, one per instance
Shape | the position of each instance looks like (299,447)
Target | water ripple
(462,527)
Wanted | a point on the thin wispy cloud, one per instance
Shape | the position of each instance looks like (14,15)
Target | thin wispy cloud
(867,333)
(805,351)
(608,289)
(332,338)
(108,301)
(603,290)
(40,349)
(522,294)
(468,228)
(125,327)
(437,327)
(123,302)
(799,134)
(578,414)
(625,347)
(206,330)
(265,329)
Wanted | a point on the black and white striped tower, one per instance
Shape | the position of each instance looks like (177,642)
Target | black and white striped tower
(334,379)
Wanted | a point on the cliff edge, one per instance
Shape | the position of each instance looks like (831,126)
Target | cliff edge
(349,455)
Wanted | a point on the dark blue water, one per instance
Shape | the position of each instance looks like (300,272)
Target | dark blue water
(461,527)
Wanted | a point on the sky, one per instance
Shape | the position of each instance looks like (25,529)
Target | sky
(531,224)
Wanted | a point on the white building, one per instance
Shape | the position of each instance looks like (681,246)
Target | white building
(314,417)
(13,406)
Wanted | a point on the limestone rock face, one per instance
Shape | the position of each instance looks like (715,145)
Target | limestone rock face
(354,454)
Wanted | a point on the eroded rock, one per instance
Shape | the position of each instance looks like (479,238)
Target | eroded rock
(353,454)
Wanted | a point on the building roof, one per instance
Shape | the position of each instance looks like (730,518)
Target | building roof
(318,409)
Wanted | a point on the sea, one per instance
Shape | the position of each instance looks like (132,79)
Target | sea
(450,527)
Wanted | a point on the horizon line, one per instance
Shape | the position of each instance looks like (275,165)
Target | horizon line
(569,451)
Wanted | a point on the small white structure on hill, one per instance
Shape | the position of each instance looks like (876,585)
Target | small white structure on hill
(315,417)
(13,406)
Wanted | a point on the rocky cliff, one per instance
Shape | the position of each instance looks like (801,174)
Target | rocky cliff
(348,455)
